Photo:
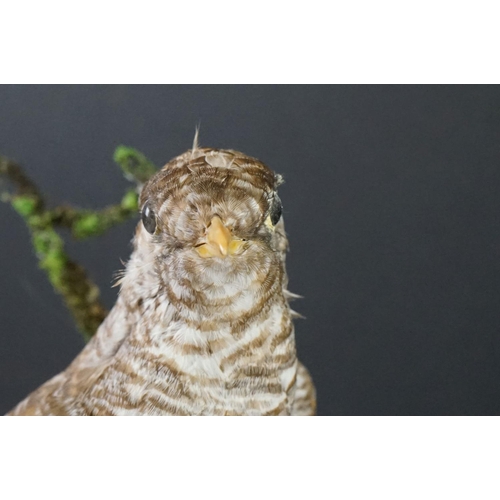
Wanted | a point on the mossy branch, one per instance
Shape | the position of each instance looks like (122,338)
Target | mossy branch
(69,279)
(135,166)
(86,223)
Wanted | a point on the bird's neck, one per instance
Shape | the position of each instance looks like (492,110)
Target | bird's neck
(214,318)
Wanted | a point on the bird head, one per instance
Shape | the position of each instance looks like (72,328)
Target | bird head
(211,209)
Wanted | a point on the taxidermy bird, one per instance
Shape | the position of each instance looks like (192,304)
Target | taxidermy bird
(202,324)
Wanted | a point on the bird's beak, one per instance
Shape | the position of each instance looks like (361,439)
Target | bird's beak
(219,241)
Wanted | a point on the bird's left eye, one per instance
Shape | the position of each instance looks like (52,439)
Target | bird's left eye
(276,210)
(149,219)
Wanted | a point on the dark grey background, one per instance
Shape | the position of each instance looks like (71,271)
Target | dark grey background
(391,205)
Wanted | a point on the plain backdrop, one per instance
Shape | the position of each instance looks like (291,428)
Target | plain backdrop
(391,204)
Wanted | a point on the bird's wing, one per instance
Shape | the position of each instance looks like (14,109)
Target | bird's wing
(305,393)
(59,395)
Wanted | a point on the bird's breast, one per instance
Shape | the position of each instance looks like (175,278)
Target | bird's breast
(191,371)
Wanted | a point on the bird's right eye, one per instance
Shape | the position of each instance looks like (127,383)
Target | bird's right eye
(276,210)
(149,219)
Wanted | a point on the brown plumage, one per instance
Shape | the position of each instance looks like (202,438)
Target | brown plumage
(202,325)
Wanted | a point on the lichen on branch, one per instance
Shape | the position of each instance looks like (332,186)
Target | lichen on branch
(135,166)
(69,279)
(86,223)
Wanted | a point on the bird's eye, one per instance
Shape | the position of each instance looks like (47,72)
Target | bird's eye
(276,209)
(149,219)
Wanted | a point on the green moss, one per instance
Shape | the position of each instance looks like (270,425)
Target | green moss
(129,201)
(87,225)
(54,263)
(24,205)
(39,222)
(42,242)
(134,164)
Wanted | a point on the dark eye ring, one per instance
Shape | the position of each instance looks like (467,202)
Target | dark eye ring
(148,219)
(276,210)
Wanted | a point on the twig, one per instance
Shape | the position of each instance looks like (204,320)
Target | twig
(135,166)
(68,278)
(87,223)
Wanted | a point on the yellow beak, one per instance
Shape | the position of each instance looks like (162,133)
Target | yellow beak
(219,241)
